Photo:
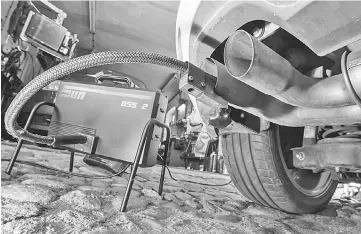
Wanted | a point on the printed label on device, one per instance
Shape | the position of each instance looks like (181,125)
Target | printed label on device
(133,105)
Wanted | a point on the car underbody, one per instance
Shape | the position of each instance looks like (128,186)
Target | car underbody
(281,84)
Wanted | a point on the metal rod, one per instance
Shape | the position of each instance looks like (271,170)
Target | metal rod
(71,164)
(135,167)
(21,141)
(92,16)
(161,182)
(165,156)
(14,157)
(3,94)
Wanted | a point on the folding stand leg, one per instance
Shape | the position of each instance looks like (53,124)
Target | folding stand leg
(165,156)
(130,183)
(71,164)
(161,182)
(133,172)
(14,157)
(21,141)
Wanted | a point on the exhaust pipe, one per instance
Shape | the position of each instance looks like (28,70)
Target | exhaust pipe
(272,109)
(255,64)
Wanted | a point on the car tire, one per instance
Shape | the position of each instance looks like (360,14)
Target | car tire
(257,168)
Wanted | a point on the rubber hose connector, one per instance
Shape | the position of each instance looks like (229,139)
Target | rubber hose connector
(68,67)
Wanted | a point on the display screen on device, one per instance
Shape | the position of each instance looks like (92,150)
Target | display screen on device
(46,31)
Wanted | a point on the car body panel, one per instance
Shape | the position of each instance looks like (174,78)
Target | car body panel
(323,26)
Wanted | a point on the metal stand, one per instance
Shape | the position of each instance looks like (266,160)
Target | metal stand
(71,165)
(151,123)
(133,172)
(21,141)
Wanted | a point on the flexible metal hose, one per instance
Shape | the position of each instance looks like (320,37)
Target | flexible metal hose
(68,67)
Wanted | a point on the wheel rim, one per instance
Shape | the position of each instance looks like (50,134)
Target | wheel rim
(307,182)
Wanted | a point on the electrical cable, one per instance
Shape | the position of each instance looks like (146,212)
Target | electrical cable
(195,125)
(24,59)
(193,182)
(106,177)
(66,172)
(20,43)
(347,79)
(32,63)
(14,57)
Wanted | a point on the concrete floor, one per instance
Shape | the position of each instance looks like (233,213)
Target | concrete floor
(35,201)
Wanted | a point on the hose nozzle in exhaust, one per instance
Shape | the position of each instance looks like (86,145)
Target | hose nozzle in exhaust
(252,62)
(217,82)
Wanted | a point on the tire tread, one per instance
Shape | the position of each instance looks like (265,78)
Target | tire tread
(252,167)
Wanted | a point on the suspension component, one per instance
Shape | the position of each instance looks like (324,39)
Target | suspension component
(339,150)
(346,177)
(328,156)
(346,133)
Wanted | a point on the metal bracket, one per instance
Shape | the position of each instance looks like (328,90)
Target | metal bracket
(21,141)
(202,85)
(222,119)
(328,156)
(235,127)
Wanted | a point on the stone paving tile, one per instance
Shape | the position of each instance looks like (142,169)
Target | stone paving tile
(35,200)
(11,210)
(25,193)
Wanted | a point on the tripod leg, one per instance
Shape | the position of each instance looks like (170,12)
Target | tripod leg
(161,182)
(71,165)
(133,173)
(14,157)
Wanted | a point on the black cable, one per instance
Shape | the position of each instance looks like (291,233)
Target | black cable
(105,177)
(20,43)
(66,172)
(195,125)
(25,56)
(32,63)
(21,46)
(188,181)
(193,182)
(14,57)
(347,80)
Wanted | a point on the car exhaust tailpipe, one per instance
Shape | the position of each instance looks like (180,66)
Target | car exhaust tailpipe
(253,63)
(242,96)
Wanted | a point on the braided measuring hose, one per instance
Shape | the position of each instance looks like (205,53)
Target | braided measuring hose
(68,67)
